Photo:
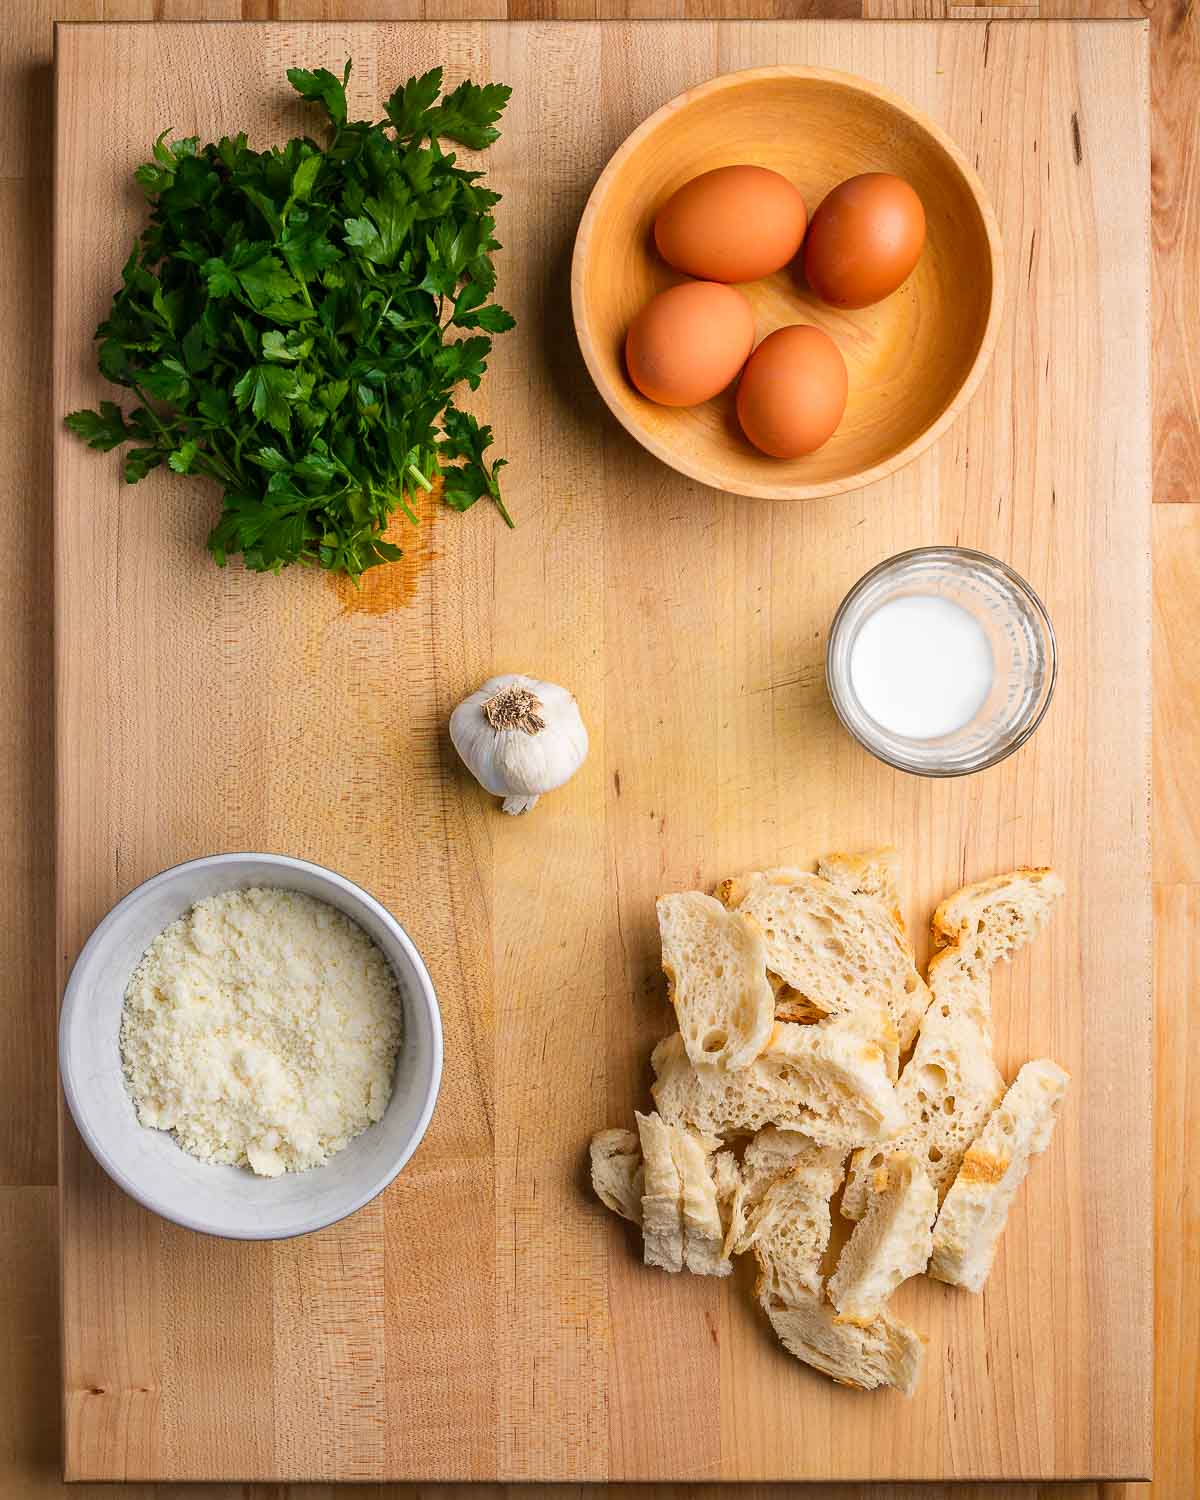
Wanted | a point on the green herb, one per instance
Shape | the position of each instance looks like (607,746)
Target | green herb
(293,323)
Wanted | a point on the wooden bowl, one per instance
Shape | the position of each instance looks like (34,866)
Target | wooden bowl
(913,359)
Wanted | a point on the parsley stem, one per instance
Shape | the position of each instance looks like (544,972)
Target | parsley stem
(383,312)
(151,413)
(170,443)
(207,462)
(220,462)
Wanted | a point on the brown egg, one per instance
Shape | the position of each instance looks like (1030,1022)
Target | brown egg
(731,224)
(689,342)
(864,240)
(793,392)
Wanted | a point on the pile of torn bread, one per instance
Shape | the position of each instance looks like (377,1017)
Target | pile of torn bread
(796,996)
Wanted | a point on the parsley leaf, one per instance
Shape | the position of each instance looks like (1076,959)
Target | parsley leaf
(267,390)
(470,113)
(265,281)
(463,437)
(380,236)
(409,106)
(103,429)
(292,324)
(320,86)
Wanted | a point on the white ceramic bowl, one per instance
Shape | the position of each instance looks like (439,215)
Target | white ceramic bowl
(216,1199)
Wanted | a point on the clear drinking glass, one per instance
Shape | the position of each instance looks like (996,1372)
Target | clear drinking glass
(1018,630)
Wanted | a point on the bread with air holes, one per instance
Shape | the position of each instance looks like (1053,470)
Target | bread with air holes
(946,1092)
(838,949)
(976,1208)
(617,1175)
(829,1081)
(789,1228)
(791,1005)
(770,1155)
(991,919)
(874,873)
(890,1243)
(716,967)
(951,1084)
(884,1352)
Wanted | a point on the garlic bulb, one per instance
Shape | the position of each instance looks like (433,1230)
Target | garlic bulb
(519,738)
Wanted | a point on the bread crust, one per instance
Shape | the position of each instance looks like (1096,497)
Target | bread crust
(807,1069)
(973,1216)
(823,938)
(829,1082)
(884,1352)
(951,1083)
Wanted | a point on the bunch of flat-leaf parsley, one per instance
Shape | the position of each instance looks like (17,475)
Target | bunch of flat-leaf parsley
(289,324)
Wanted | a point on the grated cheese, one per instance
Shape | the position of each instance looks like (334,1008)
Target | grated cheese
(261,1028)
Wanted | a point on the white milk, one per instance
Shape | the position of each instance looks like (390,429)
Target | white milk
(921,666)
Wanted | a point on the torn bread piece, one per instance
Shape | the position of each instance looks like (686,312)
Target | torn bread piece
(991,919)
(703,1225)
(662,1196)
(947,1091)
(884,1352)
(789,1229)
(789,1232)
(874,873)
(890,1243)
(841,951)
(727,1179)
(770,1155)
(617,1175)
(977,927)
(682,1222)
(829,1081)
(976,1207)
(951,1084)
(716,967)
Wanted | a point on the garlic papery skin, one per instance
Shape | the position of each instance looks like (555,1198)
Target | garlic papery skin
(519,737)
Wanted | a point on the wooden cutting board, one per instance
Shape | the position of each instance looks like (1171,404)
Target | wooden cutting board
(486,1319)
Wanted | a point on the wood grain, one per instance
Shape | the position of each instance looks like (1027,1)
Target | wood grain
(1177,1403)
(27,1461)
(27,1076)
(29,1424)
(304,647)
(1177,1051)
(1175,80)
(548,876)
(1175,159)
(1176,699)
(714,749)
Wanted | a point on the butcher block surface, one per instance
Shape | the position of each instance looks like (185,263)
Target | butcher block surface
(486,1318)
